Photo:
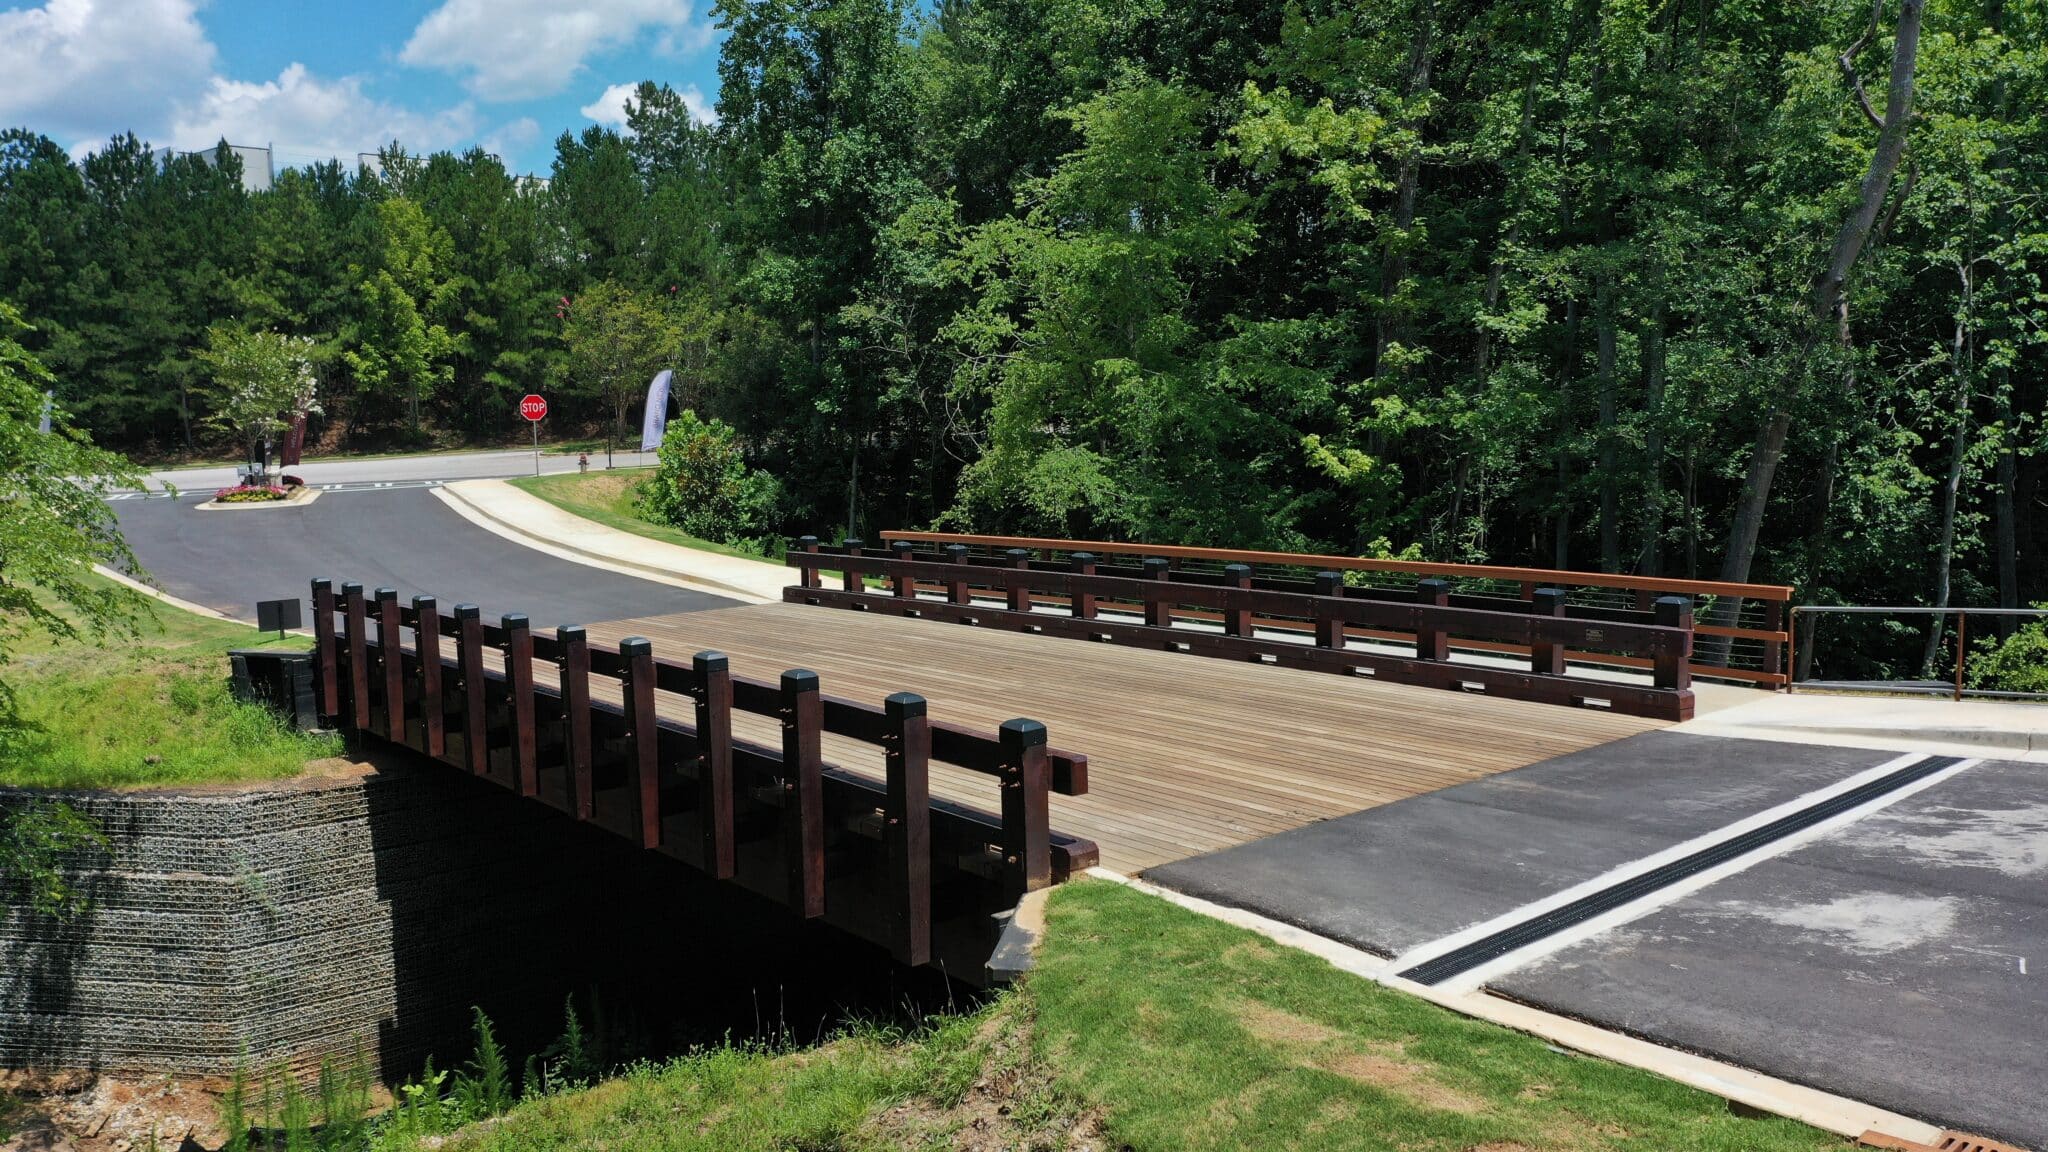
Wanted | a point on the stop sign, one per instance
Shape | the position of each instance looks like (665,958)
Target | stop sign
(533,406)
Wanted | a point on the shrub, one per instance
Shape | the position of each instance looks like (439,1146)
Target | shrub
(2019,663)
(702,485)
(249,494)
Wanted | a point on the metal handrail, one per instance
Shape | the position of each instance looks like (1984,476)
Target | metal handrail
(1961,614)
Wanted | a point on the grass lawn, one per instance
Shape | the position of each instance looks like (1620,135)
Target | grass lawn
(146,711)
(1149,1027)
(610,497)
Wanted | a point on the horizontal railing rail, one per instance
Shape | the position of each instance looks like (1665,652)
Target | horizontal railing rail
(1746,623)
(1955,689)
(1225,615)
(868,855)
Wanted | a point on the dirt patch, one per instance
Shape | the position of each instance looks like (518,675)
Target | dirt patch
(1281,1028)
(605,487)
(1376,1064)
(1012,1106)
(77,1113)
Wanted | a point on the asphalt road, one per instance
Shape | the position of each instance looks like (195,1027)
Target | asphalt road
(1898,960)
(448,466)
(400,537)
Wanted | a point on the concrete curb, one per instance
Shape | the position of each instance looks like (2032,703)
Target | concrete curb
(305,496)
(1824,1110)
(483,517)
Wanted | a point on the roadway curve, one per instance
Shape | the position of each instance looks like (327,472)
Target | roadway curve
(400,536)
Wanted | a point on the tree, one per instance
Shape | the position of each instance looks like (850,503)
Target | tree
(262,383)
(401,343)
(617,340)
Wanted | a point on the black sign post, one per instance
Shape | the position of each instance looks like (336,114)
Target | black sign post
(277,616)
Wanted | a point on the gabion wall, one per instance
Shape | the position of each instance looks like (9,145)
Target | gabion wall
(279,924)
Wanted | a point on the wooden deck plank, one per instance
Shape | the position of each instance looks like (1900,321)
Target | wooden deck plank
(1187,754)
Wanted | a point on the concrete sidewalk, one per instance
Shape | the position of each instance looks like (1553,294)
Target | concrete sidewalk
(2009,731)
(532,521)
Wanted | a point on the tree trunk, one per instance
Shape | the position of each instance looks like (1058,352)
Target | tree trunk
(2007,529)
(1610,517)
(1828,293)
(1393,326)
(1650,560)
(1951,488)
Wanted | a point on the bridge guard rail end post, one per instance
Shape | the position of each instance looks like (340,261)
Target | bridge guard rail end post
(714,761)
(519,678)
(1027,845)
(1672,666)
(1546,655)
(469,657)
(426,640)
(803,791)
(327,680)
(575,686)
(907,827)
(644,731)
(358,656)
(391,659)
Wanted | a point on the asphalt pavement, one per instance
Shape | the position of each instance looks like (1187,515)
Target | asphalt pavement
(1898,959)
(386,469)
(398,535)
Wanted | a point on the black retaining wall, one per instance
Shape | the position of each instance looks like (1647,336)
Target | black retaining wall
(283,923)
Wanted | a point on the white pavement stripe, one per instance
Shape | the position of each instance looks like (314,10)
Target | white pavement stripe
(1650,902)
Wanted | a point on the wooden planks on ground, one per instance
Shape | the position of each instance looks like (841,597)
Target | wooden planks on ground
(1186,754)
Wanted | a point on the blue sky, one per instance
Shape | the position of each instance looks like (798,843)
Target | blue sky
(315,80)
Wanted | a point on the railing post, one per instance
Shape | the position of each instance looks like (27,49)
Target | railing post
(906,586)
(1962,650)
(519,679)
(391,658)
(1774,621)
(1237,619)
(1158,612)
(1026,844)
(426,639)
(469,657)
(803,791)
(1020,592)
(907,827)
(1329,621)
(714,761)
(327,680)
(807,576)
(1673,664)
(1430,641)
(644,774)
(575,685)
(956,580)
(853,582)
(1083,564)
(1546,655)
(358,656)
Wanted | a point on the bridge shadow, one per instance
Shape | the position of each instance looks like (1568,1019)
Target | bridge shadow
(505,904)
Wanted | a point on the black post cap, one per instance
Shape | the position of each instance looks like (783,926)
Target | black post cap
(711,660)
(799,680)
(351,588)
(1549,598)
(903,546)
(807,541)
(1238,571)
(855,543)
(1017,554)
(422,602)
(956,553)
(387,594)
(1024,733)
(322,584)
(512,621)
(1157,564)
(903,705)
(634,646)
(467,612)
(570,634)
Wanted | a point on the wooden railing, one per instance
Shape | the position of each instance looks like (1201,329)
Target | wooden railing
(1151,607)
(1745,629)
(577,724)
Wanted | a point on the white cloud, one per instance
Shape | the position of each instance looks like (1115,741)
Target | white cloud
(610,108)
(515,49)
(81,70)
(305,117)
(508,140)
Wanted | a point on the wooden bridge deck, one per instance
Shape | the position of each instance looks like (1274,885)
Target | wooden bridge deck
(1186,755)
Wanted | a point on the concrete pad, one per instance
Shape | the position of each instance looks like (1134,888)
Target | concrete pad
(2009,730)
(1903,960)
(1391,878)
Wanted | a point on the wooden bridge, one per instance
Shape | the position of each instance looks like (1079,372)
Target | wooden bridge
(914,820)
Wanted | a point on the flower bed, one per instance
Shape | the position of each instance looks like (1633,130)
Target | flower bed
(249,494)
